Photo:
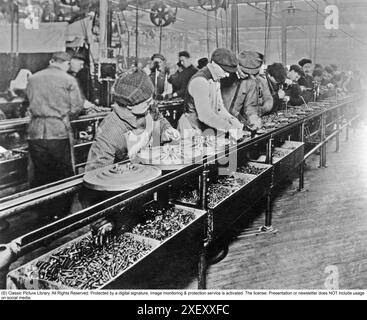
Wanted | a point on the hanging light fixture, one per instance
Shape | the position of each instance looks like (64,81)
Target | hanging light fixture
(291,9)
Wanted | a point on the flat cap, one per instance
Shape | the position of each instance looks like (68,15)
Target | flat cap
(226,59)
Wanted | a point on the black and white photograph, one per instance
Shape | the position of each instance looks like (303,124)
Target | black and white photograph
(183,149)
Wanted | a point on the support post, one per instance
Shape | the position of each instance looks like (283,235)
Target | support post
(284,34)
(324,148)
(337,140)
(208,229)
(347,127)
(268,210)
(105,39)
(103,35)
(322,139)
(302,165)
(269,158)
(234,25)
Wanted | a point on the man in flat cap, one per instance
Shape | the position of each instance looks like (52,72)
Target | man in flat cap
(241,94)
(183,77)
(205,111)
(54,97)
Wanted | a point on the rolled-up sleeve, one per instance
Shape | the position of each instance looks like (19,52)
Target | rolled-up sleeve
(102,153)
(268,102)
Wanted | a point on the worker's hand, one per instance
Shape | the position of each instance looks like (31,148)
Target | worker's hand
(303,88)
(281,94)
(101,230)
(286,99)
(88,105)
(241,74)
(288,81)
(172,134)
(236,134)
(255,122)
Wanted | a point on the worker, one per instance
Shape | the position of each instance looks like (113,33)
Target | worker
(183,78)
(132,125)
(187,73)
(306,65)
(327,74)
(205,111)
(126,130)
(239,91)
(306,82)
(158,75)
(79,70)
(276,75)
(292,88)
(175,79)
(54,98)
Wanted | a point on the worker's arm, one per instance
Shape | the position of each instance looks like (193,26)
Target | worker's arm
(199,90)
(250,102)
(267,97)
(184,78)
(101,154)
(109,145)
(251,107)
(76,98)
(29,89)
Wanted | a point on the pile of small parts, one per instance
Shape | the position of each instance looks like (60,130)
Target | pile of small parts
(162,223)
(85,265)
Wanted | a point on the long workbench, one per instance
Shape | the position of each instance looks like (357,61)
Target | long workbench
(264,160)
(13,135)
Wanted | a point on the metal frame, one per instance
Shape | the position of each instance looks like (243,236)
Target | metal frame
(49,233)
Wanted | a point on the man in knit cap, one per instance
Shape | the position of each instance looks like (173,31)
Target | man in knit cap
(205,111)
(132,124)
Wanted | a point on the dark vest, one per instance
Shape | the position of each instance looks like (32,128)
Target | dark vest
(190,109)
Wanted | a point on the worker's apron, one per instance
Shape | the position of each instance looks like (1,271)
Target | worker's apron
(66,121)
(141,138)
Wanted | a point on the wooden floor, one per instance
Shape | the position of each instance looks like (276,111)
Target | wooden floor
(326,225)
